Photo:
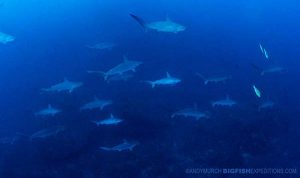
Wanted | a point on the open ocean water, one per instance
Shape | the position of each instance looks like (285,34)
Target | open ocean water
(149,89)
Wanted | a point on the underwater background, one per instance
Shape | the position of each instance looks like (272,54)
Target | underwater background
(221,38)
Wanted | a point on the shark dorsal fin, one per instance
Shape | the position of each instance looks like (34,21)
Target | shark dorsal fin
(125,58)
(168,75)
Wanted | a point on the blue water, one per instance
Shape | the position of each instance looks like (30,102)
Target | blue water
(221,38)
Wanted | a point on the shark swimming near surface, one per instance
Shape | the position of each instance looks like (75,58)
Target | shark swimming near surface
(227,102)
(167,25)
(168,80)
(220,79)
(112,120)
(5,38)
(49,111)
(96,103)
(66,85)
(126,145)
(193,112)
(125,66)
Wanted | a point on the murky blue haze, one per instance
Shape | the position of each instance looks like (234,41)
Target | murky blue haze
(53,41)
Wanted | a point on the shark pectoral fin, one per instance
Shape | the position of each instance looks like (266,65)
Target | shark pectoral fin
(152,85)
(139,20)
(105,77)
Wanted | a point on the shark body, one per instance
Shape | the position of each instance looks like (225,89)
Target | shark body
(96,103)
(227,102)
(273,70)
(49,111)
(66,85)
(193,112)
(167,25)
(221,79)
(5,38)
(120,69)
(102,46)
(168,80)
(126,145)
(266,105)
(112,120)
(48,132)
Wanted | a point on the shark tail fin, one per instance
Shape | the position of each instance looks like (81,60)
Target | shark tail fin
(150,83)
(202,77)
(139,20)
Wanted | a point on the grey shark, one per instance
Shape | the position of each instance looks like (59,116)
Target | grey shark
(168,80)
(49,111)
(220,79)
(268,104)
(193,112)
(102,46)
(113,78)
(5,38)
(126,145)
(125,66)
(273,70)
(167,25)
(112,120)
(9,140)
(48,132)
(66,85)
(227,102)
(96,103)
